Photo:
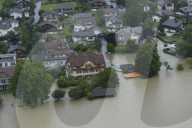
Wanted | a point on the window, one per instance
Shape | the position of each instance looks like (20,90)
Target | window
(97,70)
(79,72)
(1,65)
(6,64)
(85,71)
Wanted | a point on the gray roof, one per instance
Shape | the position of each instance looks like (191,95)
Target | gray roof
(110,10)
(64,6)
(50,12)
(94,1)
(186,9)
(16,47)
(6,24)
(82,15)
(48,23)
(20,1)
(17,10)
(83,34)
(172,23)
(164,12)
(51,56)
(112,17)
(103,92)
(128,31)
(127,66)
(164,2)
(85,21)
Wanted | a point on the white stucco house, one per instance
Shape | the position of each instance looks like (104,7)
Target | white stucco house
(83,36)
(16,13)
(113,23)
(146,8)
(159,14)
(165,5)
(7,25)
(7,60)
(184,10)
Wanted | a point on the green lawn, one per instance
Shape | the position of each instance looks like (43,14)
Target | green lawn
(53,6)
(1,4)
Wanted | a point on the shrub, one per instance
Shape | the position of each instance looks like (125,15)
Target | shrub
(57,94)
(54,73)
(166,50)
(61,82)
(76,93)
(180,67)
(125,71)
(90,96)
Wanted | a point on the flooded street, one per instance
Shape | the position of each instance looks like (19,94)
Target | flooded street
(164,100)
(37,9)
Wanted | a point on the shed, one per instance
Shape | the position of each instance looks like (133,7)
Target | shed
(103,92)
(129,67)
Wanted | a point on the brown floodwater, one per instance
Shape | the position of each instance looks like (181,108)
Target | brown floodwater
(161,101)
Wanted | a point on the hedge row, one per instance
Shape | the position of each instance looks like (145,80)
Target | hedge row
(167,51)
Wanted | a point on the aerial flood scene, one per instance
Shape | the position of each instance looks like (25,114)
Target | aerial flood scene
(95,63)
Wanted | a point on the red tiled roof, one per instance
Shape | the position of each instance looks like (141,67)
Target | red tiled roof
(81,59)
(6,72)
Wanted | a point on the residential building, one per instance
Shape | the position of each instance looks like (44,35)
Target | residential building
(82,15)
(83,36)
(113,23)
(84,24)
(172,27)
(159,14)
(5,74)
(184,10)
(24,4)
(16,13)
(189,2)
(53,59)
(7,25)
(146,8)
(65,9)
(57,45)
(128,67)
(85,65)
(128,33)
(165,5)
(50,27)
(96,4)
(50,16)
(110,12)
(7,60)
(19,50)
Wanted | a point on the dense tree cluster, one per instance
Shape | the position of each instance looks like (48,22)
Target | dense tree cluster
(57,94)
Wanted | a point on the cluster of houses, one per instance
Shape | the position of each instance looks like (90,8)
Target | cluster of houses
(172,26)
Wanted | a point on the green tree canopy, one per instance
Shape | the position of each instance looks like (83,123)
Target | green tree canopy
(147,60)
(3,48)
(34,83)
(57,94)
(100,19)
(163,19)
(76,93)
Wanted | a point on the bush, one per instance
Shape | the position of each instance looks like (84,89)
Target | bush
(90,96)
(54,73)
(76,93)
(180,67)
(57,94)
(166,50)
(125,71)
(61,82)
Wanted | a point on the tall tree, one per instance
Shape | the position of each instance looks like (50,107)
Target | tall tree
(3,47)
(163,19)
(147,60)
(100,19)
(34,83)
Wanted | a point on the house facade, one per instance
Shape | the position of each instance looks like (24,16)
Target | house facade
(50,16)
(19,50)
(7,25)
(7,60)
(124,34)
(5,74)
(113,23)
(159,14)
(50,27)
(165,5)
(96,4)
(184,10)
(83,36)
(85,65)
(172,27)
(65,9)
(16,13)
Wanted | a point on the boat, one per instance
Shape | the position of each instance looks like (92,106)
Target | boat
(132,75)
(116,68)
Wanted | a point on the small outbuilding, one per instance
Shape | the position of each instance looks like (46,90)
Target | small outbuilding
(128,67)
(103,92)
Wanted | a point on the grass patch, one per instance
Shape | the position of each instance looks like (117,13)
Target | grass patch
(1,4)
(53,6)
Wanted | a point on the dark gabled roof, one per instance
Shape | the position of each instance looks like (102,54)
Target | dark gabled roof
(112,17)
(16,47)
(20,1)
(82,15)
(76,61)
(164,12)
(6,24)
(110,10)
(172,23)
(64,6)
(57,43)
(6,72)
(50,12)
(186,9)
(103,92)
(127,66)
(83,34)
(48,23)
(85,21)
(164,2)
